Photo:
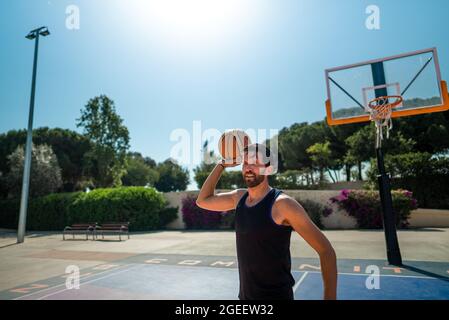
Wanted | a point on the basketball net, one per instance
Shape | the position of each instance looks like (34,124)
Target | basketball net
(380,112)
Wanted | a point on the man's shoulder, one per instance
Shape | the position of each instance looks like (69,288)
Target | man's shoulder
(283,198)
(284,201)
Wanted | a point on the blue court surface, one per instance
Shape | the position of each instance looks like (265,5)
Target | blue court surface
(177,277)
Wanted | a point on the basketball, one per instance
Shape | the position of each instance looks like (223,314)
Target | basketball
(231,145)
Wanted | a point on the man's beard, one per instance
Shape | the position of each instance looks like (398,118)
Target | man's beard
(254,181)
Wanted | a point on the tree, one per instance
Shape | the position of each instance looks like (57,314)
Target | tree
(429,131)
(321,157)
(45,172)
(233,180)
(228,179)
(293,144)
(291,179)
(337,136)
(104,127)
(201,173)
(294,141)
(147,160)
(69,147)
(138,172)
(172,177)
(360,148)
(3,186)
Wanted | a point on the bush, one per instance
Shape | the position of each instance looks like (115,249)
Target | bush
(47,213)
(315,211)
(144,208)
(195,217)
(366,207)
(426,176)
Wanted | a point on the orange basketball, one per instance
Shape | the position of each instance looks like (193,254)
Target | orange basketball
(231,145)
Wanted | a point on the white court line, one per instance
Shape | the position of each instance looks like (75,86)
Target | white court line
(299,281)
(106,276)
(381,275)
(62,284)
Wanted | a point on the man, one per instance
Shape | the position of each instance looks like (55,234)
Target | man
(264,219)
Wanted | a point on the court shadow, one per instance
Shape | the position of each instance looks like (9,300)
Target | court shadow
(42,234)
(425,272)
(8,245)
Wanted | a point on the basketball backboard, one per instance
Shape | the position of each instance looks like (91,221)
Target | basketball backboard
(415,76)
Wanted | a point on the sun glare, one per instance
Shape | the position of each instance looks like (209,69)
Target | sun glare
(191,22)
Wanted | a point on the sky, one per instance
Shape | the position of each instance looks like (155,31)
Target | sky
(170,65)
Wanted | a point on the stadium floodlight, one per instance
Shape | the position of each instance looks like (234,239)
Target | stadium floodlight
(32,35)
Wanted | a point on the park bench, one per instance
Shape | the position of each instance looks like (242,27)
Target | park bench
(80,228)
(113,228)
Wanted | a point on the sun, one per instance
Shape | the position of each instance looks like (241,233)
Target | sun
(191,22)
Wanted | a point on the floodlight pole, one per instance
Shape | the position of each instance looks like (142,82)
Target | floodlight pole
(389,218)
(27,166)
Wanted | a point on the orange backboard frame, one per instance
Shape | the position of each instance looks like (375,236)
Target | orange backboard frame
(395,114)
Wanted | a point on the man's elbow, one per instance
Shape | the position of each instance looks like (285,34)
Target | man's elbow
(328,253)
(199,203)
(202,203)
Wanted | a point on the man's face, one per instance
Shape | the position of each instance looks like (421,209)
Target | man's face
(253,170)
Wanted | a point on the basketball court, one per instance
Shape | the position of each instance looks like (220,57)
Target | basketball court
(174,276)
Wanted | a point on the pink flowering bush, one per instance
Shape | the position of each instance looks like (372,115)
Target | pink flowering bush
(366,207)
(196,218)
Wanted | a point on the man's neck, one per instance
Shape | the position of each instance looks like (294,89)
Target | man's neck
(258,192)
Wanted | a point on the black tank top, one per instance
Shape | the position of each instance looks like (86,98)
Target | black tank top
(263,251)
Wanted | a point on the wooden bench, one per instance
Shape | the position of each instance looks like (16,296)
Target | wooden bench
(80,228)
(112,228)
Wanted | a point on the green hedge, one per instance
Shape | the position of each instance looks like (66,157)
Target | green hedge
(144,208)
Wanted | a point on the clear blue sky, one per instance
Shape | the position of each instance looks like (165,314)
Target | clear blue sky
(229,63)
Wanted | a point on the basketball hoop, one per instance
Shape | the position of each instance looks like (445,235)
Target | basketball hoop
(380,110)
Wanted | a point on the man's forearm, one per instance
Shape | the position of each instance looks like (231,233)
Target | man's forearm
(329,271)
(208,188)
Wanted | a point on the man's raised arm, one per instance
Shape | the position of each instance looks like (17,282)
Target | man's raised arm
(207,199)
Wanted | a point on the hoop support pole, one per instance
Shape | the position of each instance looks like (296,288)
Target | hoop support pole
(388,214)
